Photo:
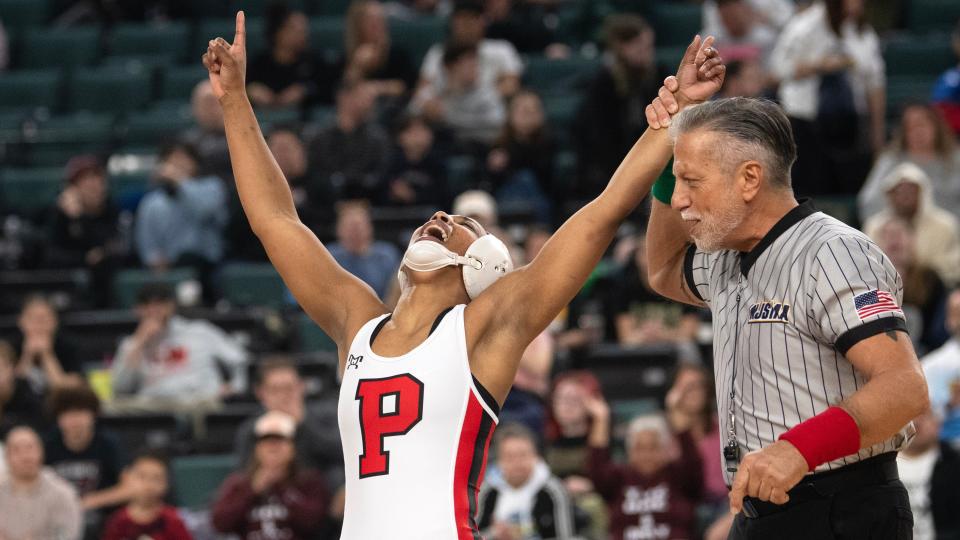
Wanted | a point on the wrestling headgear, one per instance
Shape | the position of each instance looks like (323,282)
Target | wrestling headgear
(486,260)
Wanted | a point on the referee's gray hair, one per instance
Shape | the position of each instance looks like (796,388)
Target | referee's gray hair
(655,422)
(759,128)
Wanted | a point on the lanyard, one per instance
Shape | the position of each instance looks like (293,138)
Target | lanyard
(731,451)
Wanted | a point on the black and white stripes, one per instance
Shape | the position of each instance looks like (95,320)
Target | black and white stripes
(797,317)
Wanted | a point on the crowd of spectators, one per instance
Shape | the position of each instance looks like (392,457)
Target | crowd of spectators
(568,461)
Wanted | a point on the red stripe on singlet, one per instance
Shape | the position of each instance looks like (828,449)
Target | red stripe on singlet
(471,463)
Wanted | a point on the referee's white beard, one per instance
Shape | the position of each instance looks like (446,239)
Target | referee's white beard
(713,231)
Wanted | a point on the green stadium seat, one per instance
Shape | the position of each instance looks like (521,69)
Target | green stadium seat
(177,82)
(331,7)
(326,36)
(30,89)
(213,28)
(67,47)
(913,56)
(57,139)
(561,110)
(840,207)
(548,76)
(670,57)
(28,191)
(624,410)
(167,39)
(110,89)
(461,174)
(11,126)
(312,338)
(905,89)
(416,36)
(258,8)
(272,117)
(23,13)
(249,284)
(197,478)
(156,125)
(130,184)
(932,15)
(675,23)
(127,283)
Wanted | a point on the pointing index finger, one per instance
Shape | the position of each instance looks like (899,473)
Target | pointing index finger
(240,36)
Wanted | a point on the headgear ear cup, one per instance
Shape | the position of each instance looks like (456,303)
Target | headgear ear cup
(487,260)
(495,262)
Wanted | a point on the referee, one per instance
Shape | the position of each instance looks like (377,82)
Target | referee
(816,377)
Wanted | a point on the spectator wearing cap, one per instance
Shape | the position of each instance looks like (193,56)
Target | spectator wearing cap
(479,205)
(45,355)
(937,232)
(279,387)
(35,503)
(611,119)
(84,454)
(83,227)
(498,65)
(272,497)
(20,404)
(172,363)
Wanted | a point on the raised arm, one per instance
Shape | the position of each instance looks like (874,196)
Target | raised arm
(320,285)
(529,298)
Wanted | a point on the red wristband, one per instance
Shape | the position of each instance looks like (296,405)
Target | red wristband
(827,436)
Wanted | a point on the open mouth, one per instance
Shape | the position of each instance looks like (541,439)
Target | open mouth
(433,232)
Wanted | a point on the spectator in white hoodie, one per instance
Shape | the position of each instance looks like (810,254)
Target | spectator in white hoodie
(172,363)
(909,197)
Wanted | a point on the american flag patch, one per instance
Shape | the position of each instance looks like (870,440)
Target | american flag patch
(875,302)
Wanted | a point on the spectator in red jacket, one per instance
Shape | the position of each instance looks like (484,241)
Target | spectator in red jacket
(272,494)
(653,495)
(147,515)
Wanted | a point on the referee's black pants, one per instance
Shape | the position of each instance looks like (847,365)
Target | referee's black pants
(863,501)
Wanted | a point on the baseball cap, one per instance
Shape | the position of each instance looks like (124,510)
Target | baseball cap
(156,291)
(477,204)
(275,424)
(79,165)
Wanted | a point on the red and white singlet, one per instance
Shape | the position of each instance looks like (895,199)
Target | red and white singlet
(416,430)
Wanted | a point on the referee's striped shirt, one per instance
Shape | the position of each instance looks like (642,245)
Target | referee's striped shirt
(786,313)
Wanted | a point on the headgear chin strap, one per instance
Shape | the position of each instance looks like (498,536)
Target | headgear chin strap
(486,260)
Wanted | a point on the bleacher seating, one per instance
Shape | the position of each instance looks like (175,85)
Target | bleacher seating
(67,47)
(127,282)
(252,284)
(195,479)
(144,430)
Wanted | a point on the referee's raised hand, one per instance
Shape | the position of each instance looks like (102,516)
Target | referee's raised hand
(227,63)
(767,474)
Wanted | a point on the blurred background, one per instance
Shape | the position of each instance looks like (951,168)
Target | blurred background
(146,334)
